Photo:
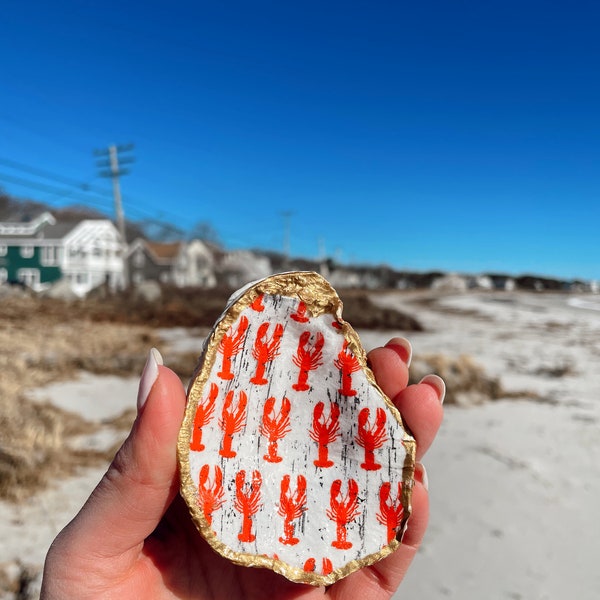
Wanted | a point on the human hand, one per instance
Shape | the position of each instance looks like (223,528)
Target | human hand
(134,537)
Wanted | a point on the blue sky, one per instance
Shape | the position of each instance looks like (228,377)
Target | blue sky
(436,135)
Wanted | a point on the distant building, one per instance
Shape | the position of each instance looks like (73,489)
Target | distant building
(480,282)
(43,250)
(503,282)
(450,283)
(344,277)
(178,263)
(239,267)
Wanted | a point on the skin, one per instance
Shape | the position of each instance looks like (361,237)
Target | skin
(134,538)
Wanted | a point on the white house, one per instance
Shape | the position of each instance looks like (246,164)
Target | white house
(93,255)
(239,267)
(451,282)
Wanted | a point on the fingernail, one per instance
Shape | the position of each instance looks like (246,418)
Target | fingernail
(149,376)
(421,475)
(436,382)
(401,346)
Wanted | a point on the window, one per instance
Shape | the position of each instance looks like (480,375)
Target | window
(76,252)
(50,255)
(27,251)
(30,277)
(3,249)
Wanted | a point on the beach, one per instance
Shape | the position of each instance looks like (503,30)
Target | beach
(513,478)
(514,483)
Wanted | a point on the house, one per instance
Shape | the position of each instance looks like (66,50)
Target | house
(344,277)
(450,282)
(503,282)
(239,267)
(42,250)
(480,282)
(179,263)
(24,261)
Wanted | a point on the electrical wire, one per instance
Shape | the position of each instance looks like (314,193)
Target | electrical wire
(52,190)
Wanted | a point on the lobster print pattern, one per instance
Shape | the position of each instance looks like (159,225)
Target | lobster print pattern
(297,460)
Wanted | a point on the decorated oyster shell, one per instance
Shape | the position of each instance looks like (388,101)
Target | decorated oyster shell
(291,456)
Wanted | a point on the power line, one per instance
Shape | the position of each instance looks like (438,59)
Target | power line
(51,190)
(13,164)
(134,208)
(57,193)
(143,222)
(78,192)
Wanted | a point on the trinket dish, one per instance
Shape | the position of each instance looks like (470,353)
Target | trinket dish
(291,457)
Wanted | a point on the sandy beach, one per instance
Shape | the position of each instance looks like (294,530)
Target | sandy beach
(513,481)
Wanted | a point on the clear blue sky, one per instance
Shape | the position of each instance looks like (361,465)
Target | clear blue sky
(425,135)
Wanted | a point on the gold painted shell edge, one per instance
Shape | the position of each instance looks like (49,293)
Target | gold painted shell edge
(319,297)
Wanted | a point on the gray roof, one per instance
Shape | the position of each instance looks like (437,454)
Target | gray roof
(57,231)
(45,231)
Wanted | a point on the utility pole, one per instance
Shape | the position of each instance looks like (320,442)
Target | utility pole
(322,252)
(323,269)
(111,167)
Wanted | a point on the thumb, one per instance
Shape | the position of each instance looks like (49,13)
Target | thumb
(142,480)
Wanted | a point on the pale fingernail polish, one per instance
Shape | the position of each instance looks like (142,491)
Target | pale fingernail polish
(435,381)
(421,475)
(149,377)
(402,347)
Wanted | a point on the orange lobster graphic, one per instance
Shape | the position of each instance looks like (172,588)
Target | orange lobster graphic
(325,431)
(231,343)
(258,305)
(247,502)
(210,496)
(391,511)
(300,315)
(347,364)
(204,414)
(343,510)
(307,359)
(275,426)
(310,566)
(291,507)
(371,438)
(232,421)
(265,351)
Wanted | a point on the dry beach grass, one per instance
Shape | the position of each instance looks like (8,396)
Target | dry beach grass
(47,340)
(42,342)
